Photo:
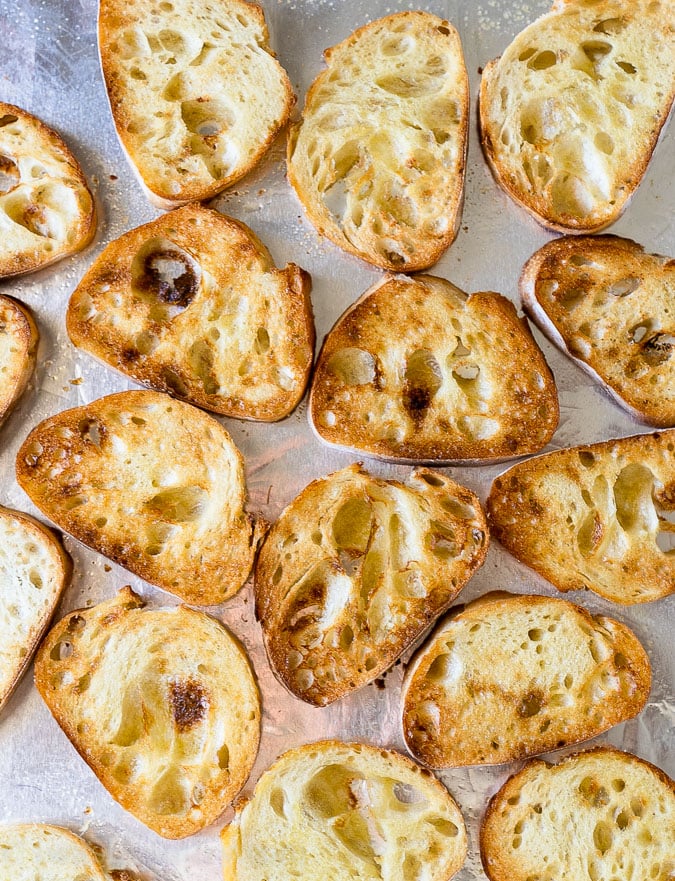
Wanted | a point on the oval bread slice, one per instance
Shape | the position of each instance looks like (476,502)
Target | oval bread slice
(46,209)
(556,676)
(417,371)
(19,340)
(608,305)
(191,304)
(39,852)
(571,112)
(355,569)
(378,159)
(597,517)
(345,811)
(154,484)
(196,93)
(34,572)
(601,814)
(160,703)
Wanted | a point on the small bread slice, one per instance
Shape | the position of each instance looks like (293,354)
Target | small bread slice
(345,812)
(418,371)
(196,93)
(597,517)
(46,209)
(39,852)
(34,571)
(154,484)
(571,112)
(609,306)
(19,340)
(378,159)
(192,304)
(355,569)
(556,676)
(161,704)
(599,814)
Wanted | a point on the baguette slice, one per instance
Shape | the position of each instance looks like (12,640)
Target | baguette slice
(598,517)
(191,304)
(34,571)
(355,569)
(46,209)
(556,676)
(161,704)
(600,814)
(345,812)
(19,340)
(152,483)
(416,370)
(378,159)
(196,93)
(39,852)
(609,306)
(571,112)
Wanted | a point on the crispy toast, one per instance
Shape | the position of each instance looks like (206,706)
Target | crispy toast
(161,704)
(39,852)
(191,304)
(378,159)
(19,340)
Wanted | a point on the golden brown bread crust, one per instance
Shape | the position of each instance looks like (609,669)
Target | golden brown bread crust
(141,695)
(594,517)
(154,484)
(557,676)
(479,392)
(575,835)
(417,189)
(23,200)
(232,334)
(608,305)
(19,338)
(355,569)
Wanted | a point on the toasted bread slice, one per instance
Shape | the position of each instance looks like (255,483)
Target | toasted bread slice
(161,704)
(152,483)
(46,209)
(19,340)
(418,371)
(39,852)
(596,814)
(378,159)
(345,811)
(191,304)
(355,569)
(608,305)
(571,112)
(597,517)
(196,93)
(556,676)
(34,571)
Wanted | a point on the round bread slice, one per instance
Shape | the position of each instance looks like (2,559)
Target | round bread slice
(39,852)
(19,340)
(195,91)
(571,112)
(378,159)
(556,676)
(161,704)
(609,306)
(345,811)
(599,815)
(34,572)
(355,569)
(418,371)
(154,484)
(46,209)
(191,304)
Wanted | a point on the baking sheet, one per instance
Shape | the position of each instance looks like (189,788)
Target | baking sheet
(48,64)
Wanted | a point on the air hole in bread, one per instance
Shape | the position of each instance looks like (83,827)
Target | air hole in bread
(658,349)
(586,458)
(8,119)
(146,342)
(624,286)
(201,358)
(304,679)
(604,143)
(137,74)
(633,498)
(353,366)
(61,651)
(36,218)
(262,341)
(445,827)
(163,271)
(10,176)
(441,541)
(543,60)
(207,118)
(627,67)
(223,757)
(179,504)
(169,796)
(531,705)
(596,50)
(431,479)
(603,837)
(423,379)
(458,509)
(352,525)
(74,502)
(526,54)
(174,382)
(278,802)
(409,86)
